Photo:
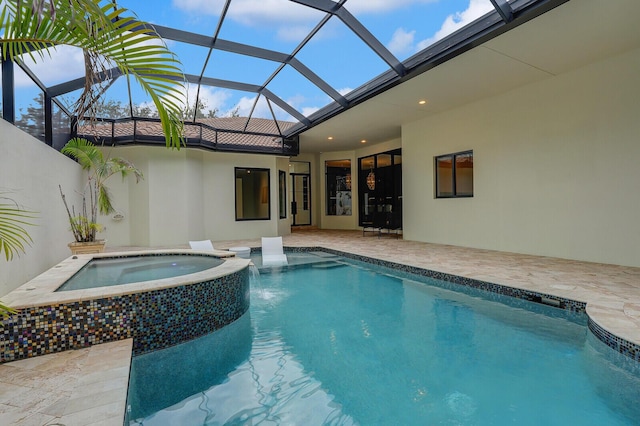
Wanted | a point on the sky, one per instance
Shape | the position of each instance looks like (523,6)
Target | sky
(335,54)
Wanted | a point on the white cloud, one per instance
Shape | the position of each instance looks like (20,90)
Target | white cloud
(205,7)
(292,21)
(345,90)
(211,97)
(294,33)
(245,104)
(401,41)
(66,63)
(307,111)
(253,12)
(380,6)
(476,9)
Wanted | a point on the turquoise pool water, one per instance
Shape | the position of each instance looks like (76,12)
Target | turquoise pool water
(345,343)
(131,269)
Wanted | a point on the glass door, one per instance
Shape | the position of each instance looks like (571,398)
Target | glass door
(301,193)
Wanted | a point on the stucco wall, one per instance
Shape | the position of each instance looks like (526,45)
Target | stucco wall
(30,172)
(187,195)
(555,168)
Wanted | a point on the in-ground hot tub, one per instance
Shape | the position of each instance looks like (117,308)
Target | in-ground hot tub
(110,271)
(157,313)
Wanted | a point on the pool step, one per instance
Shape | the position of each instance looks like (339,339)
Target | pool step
(327,265)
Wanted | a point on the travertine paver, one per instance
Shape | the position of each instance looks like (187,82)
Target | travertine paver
(80,387)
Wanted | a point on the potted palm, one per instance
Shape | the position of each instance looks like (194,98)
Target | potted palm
(96,197)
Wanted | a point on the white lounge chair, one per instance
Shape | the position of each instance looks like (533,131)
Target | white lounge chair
(204,245)
(273,252)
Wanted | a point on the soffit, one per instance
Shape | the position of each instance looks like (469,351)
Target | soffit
(572,35)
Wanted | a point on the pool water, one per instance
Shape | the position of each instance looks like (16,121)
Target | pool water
(131,269)
(345,343)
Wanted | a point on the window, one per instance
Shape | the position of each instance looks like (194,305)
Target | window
(282,194)
(338,187)
(454,175)
(253,200)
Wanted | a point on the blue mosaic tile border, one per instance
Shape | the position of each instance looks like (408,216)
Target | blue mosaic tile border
(155,319)
(620,345)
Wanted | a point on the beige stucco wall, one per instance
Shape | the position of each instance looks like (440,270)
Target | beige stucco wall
(188,195)
(30,172)
(556,168)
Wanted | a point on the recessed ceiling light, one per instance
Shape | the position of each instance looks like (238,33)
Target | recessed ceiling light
(363,141)
(330,138)
(422,102)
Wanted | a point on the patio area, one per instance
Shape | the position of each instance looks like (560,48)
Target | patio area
(56,384)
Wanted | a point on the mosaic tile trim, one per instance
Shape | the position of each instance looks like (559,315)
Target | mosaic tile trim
(623,346)
(620,345)
(155,319)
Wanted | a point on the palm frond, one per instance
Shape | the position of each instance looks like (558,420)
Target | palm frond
(86,153)
(101,27)
(6,310)
(104,200)
(14,238)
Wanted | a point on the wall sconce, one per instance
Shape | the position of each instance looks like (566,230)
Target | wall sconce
(371,180)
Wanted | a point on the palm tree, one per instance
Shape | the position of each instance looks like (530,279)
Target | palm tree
(108,37)
(97,197)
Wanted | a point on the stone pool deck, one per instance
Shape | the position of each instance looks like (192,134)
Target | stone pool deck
(612,295)
(80,387)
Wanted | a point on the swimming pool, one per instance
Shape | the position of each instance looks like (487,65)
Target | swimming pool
(110,271)
(348,343)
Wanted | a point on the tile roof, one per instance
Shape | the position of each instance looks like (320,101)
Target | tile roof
(219,133)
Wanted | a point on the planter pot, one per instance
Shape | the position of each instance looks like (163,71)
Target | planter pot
(87,247)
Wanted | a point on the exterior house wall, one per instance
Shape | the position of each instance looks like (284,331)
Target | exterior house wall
(22,155)
(555,168)
(187,195)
